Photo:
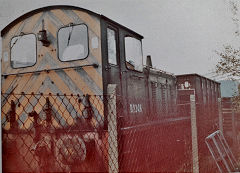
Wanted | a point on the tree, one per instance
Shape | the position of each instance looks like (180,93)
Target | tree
(229,63)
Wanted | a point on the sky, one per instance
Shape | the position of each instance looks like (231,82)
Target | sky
(180,35)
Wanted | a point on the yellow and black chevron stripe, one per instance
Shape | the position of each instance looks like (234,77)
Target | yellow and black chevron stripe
(43,77)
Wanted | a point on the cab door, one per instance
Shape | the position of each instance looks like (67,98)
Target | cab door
(134,81)
(111,61)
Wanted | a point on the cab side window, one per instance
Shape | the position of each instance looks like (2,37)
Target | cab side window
(133,54)
(23,51)
(111,44)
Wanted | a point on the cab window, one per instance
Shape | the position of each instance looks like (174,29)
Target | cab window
(73,42)
(23,51)
(112,50)
(133,53)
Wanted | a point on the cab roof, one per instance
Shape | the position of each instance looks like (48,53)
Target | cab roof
(29,14)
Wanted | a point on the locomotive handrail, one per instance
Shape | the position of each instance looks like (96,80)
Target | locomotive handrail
(53,69)
(159,70)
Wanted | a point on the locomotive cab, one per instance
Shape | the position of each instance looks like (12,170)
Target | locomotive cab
(69,50)
(69,39)
(56,66)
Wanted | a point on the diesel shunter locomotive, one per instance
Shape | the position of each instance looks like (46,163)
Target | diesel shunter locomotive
(76,97)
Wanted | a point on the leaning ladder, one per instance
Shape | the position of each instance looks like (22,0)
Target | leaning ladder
(221,152)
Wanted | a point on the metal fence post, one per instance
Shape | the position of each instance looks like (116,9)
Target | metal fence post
(220,114)
(194,135)
(234,133)
(112,130)
(12,116)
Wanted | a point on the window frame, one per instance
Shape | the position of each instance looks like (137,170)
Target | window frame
(116,41)
(88,49)
(10,48)
(125,58)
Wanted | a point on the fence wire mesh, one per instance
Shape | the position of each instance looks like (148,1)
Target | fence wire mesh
(74,133)
(108,133)
(206,122)
(57,133)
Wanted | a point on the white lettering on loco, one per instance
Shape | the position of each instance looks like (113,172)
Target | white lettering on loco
(135,108)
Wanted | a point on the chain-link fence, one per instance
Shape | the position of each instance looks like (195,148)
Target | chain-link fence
(108,133)
(207,123)
(204,121)
(61,133)
(58,133)
(153,141)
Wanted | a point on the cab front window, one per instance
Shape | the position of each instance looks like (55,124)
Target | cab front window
(23,51)
(73,42)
